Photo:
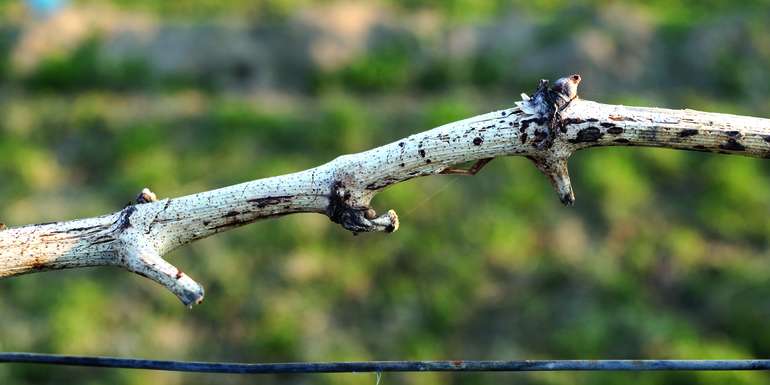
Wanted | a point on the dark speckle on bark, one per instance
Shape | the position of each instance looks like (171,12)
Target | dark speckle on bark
(269,201)
(688,132)
(732,145)
(614,130)
(124,221)
(477,141)
(84,229)
(421,152)
(524,138)
(569,121)
(589,134)
(540,136)
(387,181)
(540,121)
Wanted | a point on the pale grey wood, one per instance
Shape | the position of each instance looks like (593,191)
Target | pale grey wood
(137,236)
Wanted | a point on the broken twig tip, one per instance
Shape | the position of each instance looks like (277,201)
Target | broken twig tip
(555,168)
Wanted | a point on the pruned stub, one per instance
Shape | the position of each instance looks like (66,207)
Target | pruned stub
(349,211)
(342,211)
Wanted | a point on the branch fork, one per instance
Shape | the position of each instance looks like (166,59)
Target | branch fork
(137,253)
(138,256)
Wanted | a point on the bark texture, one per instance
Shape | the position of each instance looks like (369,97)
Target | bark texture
(545,129)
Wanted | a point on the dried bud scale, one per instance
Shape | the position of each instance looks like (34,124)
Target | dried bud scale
(146,196)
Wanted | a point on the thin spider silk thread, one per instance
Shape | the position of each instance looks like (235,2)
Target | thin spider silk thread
(431,196)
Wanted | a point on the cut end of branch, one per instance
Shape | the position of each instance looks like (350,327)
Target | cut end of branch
(146,196)
(189,292)
(388,222)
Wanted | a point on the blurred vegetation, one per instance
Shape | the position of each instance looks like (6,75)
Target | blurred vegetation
(665,254)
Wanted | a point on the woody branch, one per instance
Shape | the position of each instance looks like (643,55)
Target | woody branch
(546,128)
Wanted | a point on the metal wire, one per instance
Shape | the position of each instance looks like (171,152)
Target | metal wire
(387,366)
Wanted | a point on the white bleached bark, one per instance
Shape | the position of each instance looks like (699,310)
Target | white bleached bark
(137,236)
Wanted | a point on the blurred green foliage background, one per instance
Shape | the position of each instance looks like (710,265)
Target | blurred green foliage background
(665,255)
